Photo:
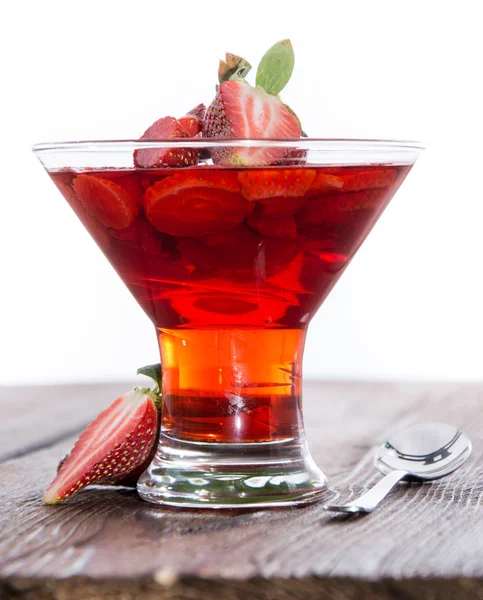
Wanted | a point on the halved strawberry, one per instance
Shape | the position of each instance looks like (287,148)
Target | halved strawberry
(195,204)
(318,210)
(113,446)
(262,184)
(106,201)
(242,111)
(165,128)
(192,122)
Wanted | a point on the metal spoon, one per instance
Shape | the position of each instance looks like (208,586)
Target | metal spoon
(422,452)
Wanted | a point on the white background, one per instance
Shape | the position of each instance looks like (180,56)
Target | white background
(409,306)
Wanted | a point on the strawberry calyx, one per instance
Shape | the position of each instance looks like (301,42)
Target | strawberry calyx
(156,374)
(233,68)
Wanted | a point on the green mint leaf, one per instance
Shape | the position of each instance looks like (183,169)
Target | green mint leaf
(275,68)
(233,68)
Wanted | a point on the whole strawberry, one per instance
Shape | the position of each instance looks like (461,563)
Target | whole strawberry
(242,111)
(116,447)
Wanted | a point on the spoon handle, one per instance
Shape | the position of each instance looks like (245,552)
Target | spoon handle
(371,499)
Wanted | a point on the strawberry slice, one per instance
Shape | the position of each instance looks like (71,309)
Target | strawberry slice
(265,184)
(242,111)
(372,178)
(318,210)
(132,185)
(140,236)
(192,122)
(107,201)
(97,231)
(293,157)
(272,225)
(235,250)
(192,205)
(115,445)
(165,128)
(237,254)
(325,182)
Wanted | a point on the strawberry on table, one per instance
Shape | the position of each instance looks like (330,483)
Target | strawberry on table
(162,129)
(195,204)
(115,445)
(108,202)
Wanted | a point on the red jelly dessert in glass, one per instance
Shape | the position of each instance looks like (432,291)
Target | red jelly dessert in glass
(215,255)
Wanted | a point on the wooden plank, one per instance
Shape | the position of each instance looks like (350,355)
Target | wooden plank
(423,535)
(37,416)
(254,589)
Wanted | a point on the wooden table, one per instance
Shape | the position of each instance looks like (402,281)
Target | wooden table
(425,542)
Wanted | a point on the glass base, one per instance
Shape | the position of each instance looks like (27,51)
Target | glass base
(217,475)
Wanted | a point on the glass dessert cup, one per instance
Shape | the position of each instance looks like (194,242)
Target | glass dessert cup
(231,264)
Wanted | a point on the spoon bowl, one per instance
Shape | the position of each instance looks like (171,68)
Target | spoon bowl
(426,451)
(421,452)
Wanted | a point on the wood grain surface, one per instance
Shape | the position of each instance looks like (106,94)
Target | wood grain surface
(35,417)
(426,541)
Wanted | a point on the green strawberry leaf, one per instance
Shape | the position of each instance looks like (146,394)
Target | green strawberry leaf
(156,374)
(275,68)
(233,68)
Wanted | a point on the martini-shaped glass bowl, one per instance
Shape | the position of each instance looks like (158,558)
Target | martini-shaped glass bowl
(230,264)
